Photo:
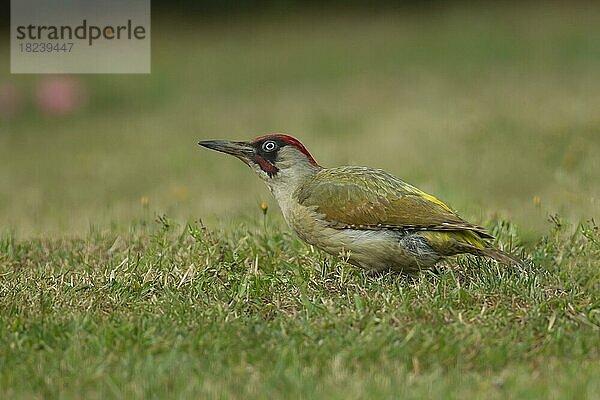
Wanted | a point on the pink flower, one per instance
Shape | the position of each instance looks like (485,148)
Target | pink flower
(60,95)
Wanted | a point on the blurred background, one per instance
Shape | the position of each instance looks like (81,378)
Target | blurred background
(493,107)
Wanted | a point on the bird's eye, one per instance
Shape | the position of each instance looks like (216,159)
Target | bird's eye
(269,145)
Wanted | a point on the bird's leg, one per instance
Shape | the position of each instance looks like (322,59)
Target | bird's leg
(436,270)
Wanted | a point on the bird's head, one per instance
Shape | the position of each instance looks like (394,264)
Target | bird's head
(277,159)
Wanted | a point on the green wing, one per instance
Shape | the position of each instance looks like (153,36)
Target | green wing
(370,199)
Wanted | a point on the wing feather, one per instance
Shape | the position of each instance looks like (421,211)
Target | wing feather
(372,199)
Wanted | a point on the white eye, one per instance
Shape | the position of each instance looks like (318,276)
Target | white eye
(269,145)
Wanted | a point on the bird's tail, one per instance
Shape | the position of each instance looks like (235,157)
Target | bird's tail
(501,256)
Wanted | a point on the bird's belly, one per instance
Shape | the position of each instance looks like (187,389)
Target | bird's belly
(370,249)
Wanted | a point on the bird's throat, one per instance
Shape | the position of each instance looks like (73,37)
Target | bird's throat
(266,166)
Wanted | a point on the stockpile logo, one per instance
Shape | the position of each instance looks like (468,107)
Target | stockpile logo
(80,36)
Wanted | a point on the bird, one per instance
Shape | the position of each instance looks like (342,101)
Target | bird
(373,219)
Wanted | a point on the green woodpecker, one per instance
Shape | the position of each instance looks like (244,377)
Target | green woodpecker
(376,219)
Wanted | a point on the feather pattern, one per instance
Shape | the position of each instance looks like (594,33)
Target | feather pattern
(371,199)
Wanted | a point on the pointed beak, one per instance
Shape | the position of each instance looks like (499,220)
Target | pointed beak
(242,150)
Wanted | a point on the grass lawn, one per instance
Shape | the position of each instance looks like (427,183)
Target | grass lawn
(494,110)
(183,311)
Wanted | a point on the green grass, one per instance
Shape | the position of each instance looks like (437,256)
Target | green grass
(486,107)
(171,311)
